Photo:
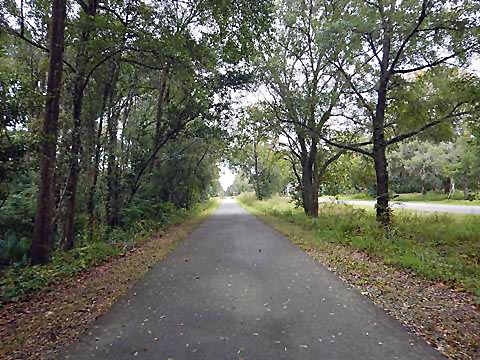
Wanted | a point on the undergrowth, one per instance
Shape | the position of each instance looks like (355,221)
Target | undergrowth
(20,280)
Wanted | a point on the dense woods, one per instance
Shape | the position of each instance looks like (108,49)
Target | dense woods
(112,113)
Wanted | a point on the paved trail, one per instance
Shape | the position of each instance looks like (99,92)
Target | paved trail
(236,289)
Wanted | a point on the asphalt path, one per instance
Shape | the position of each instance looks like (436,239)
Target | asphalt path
(416,206)
(236,289)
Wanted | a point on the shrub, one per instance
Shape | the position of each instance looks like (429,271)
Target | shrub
(14,250)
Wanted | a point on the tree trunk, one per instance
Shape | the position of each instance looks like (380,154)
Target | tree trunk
(80,83)
(452,188)
(310,205)
(423,181)
(379,146)
(162,95)
(381,172)
(72,182)
(43,232)
(447,185)
(256,175)
(106,99)
(310,190)
(93,185)
(380,159)
(465,188)
(112,202)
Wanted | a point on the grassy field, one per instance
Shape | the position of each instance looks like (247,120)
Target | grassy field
(438,198)
(438,247)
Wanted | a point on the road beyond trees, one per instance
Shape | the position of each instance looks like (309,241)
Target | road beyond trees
(415,206)
(236,289)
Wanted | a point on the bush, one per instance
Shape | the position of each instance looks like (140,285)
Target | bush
(18,280)
(14,250)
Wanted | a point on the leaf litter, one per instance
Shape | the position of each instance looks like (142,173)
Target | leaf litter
(40,326)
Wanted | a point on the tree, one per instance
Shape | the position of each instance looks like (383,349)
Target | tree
(420,166)
(304,90)
(42,239)
(255,153)
(391,40)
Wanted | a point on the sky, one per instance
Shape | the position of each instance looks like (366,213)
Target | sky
(226,176)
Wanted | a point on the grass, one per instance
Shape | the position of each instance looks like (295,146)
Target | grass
(431,196)
(436,247)
(19,282)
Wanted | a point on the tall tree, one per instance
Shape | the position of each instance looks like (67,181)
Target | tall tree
(304,90)
(42,239)
(390,42)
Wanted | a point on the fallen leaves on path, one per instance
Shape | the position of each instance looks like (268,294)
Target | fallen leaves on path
(446,318)
(40,326)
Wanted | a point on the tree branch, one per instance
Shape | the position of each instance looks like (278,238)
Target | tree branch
(425,66)
(425,127)
(22,36)
(421,18)
(355,90)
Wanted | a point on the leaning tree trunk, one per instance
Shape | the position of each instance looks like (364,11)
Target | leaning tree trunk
(43,232)
(162,97)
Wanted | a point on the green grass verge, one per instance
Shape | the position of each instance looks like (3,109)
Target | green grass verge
(436,247)
(438,198)
(18,282)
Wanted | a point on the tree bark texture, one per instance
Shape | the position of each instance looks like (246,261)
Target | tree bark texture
(43,231)
(80,83)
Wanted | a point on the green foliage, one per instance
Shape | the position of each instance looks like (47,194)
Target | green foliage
(14,250)
(19,281)
(351,173)
(17,211)
(240,185)
(255,155)
(436,94)
(437,247)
